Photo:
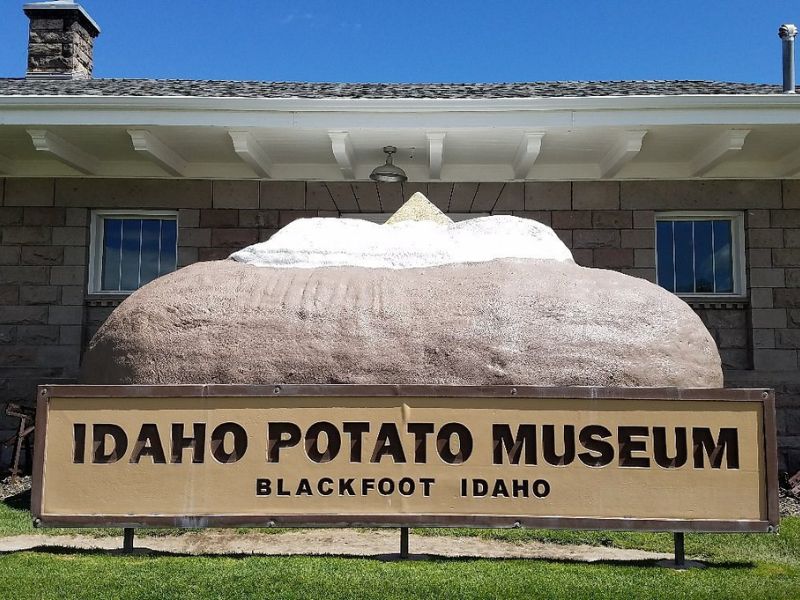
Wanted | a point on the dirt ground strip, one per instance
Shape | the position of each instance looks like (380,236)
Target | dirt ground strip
(338,542)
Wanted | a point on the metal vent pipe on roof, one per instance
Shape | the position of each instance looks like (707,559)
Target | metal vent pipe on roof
(787,32)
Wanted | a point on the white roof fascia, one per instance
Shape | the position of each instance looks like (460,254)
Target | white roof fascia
(623,111)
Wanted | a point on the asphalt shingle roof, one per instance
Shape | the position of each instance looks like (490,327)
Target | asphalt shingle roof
(278,89)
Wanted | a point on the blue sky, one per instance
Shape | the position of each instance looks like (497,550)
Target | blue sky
(417,41)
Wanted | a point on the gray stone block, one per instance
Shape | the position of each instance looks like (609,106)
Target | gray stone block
(761,298)
(607,238)
(70,335)
(289,195)
(612,219)
(9,294)
(345,199)
(765,238)
(792,278)
(638,238)
(219,218)
(26,235)
(644,257)
(548,195)
(67,275)
(70,236)
(734,358)
(187,256)
(27,274)
(37,335)
(188,217)
(73,295)
(234,194)
(595,195)
(44,215)
(571,219)
(763,338)
(38,294)
(42,255)
(194,238)
(768,318)
(644,219)
(511,198)
(787,338)
(699,195)
(10,255)
(787,297)
(732,338)
(767,278)
(765,359)
(10,215)
(66,315)
(786,257)
(75,255)
(784,218)
(758,218)
(614,258)
(77,217)
(565,235)
(791,238)
(542,216)
(24,191)
(133,193)
(24,315)
(759,257)
(233,238)
(267,219)
(646,274)
(8,334)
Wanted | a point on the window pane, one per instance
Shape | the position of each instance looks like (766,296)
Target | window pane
(112,241)
(169,239)
(723,272)
(151,238)
(703,258)
(666,266)
(131,244)
(684,257)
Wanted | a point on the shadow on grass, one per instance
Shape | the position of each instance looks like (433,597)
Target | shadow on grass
(21,501)
(391,557)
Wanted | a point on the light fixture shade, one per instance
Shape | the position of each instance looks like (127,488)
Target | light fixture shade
(388,172)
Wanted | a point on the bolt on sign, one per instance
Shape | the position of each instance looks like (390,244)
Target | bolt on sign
(337,455)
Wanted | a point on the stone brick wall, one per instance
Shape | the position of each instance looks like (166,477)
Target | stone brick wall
(46,316)
(60,42)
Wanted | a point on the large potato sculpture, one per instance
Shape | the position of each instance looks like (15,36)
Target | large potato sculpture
(493,300)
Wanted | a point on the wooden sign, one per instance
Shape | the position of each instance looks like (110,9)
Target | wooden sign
(342,455)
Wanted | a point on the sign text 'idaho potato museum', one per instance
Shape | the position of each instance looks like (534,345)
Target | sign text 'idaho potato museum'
(406,455)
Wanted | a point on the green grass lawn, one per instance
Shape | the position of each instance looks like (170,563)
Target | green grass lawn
(739,566)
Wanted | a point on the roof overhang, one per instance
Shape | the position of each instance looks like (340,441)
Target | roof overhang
(628,137)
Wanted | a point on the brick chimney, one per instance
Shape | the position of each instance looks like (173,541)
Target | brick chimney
(61,40)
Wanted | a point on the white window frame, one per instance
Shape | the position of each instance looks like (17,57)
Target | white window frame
(739,268)
(96,230)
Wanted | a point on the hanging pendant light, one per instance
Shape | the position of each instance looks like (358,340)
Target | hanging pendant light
(388,172)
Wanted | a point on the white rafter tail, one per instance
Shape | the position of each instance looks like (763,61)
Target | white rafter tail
(626,148)
(251,152)
(342,147)
(530,146)
(7,166)
(60,149)
(436,154)
(718,151)
(148,145)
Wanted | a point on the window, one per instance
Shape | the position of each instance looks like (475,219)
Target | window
(700,254)
(131,248)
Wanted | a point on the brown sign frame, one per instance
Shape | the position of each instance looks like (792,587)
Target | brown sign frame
(765,396)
